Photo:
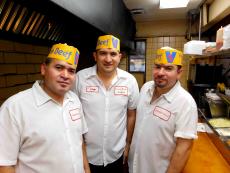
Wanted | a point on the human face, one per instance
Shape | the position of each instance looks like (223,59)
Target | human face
(107,60)
(58,78)
(166,75)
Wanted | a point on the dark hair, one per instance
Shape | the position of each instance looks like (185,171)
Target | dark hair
(47,61)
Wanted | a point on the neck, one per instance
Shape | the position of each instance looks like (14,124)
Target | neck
(106,78)
(58,98)
(159,91)
(156,94)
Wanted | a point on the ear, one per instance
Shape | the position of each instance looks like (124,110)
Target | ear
(43,69)
(95,56)
(179,73)
(120,55)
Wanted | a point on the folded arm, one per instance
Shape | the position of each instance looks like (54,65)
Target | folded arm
(85,160)
(180,155)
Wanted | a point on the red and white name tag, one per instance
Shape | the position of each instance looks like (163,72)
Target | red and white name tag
(75,114)
(91,89)
(121,90)
(162,113)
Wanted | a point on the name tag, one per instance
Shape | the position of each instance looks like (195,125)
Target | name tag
(121,90)
(94,89)
(162,113)
(75,114)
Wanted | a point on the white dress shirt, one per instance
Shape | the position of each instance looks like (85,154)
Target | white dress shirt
(39,135)
(158,124)
(106,113)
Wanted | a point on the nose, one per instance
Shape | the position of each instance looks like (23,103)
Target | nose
(108,58)
(64,73)
(161,70)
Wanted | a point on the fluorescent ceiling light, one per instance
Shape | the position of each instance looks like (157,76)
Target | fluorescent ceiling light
(173,3)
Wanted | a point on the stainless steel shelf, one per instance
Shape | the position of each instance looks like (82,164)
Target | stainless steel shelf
(219,54)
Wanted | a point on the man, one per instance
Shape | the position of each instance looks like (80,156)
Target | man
(166,119)
(41,128)
(109,98)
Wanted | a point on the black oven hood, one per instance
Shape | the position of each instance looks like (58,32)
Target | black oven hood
(74,21)
(109,16)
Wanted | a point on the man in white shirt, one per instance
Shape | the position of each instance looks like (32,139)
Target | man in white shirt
(166,119)
(41,128)
(109,98)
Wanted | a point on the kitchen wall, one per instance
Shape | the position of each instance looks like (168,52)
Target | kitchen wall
(161,28)
(163,33)
(19,66)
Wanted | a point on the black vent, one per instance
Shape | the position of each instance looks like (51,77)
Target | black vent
(19,19)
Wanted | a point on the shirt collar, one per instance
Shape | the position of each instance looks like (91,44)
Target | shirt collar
(41,97)
(169,95)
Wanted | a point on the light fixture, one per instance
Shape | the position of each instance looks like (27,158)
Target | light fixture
(137,11)
(173,3)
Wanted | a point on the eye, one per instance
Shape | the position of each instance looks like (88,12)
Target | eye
(102,53)
(71,71)
(169,68)
(157,66)
(113,54)
(59,67)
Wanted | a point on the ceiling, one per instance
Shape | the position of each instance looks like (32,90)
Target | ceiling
(152,12)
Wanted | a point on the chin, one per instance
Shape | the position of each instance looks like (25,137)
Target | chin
(160,85)
(64,90)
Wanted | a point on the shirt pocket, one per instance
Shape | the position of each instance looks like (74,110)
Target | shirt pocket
(75,119)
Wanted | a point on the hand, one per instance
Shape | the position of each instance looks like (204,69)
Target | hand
(126,154)
(87,170)
(125,159)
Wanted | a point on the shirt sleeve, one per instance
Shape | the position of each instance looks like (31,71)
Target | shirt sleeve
(9,137)
(84,125)
(186,121)
(134,94)
(75,87)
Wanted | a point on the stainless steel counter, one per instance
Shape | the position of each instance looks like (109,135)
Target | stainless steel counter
(222,142)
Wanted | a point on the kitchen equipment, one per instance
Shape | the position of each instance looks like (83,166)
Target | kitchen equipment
(220,122)
(194,47)
(223,131)
(217,106)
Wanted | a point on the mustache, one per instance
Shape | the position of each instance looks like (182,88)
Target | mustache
(159,77)
(63,82)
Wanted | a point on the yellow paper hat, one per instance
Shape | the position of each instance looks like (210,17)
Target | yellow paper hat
(168,55)
(108,41)
(66,53)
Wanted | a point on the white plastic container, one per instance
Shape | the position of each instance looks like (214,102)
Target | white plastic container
(194,47)
(226,37)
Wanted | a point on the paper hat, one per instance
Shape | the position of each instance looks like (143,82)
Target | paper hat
(168,55)
(108,41)
(66,53)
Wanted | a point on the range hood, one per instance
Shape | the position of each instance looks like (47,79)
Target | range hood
(19,19)
(66,20)
(109,16)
